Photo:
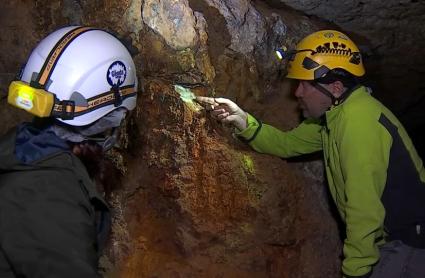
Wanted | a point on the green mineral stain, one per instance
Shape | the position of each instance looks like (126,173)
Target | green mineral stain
(248,164)
(255,188)
(187,96)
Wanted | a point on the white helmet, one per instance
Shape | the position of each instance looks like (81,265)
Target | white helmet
(88,71)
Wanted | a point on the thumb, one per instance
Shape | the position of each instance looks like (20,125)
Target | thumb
(237,120)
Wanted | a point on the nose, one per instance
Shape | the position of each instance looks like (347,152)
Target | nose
(299,90)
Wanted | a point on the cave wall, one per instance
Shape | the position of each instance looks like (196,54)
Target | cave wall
(196,202)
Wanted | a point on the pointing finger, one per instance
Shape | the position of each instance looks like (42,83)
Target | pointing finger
(206,100)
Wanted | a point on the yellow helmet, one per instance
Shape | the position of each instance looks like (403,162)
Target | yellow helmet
(322,51)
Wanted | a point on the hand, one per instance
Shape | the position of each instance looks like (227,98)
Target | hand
(225,110)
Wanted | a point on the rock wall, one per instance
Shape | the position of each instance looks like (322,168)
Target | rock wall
(198,203)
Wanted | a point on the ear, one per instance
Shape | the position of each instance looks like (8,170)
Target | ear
(337,88)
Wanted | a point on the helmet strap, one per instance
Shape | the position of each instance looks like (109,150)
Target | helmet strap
(42,79)
(335,100)
(118,98)
(107,141)
(326,92)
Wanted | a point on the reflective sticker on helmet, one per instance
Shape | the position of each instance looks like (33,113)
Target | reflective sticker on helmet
(116,74)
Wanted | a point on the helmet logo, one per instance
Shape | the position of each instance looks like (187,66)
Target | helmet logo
(116,74)
(328,35)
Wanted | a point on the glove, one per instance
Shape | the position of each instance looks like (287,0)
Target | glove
(226,111)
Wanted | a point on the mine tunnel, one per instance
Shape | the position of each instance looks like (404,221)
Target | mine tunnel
(194,201)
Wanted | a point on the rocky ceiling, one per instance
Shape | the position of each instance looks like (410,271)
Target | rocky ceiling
(195,202)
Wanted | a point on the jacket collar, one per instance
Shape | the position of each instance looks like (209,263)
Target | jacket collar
(332,114)
(33,143)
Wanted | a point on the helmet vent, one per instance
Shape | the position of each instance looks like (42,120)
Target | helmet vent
(309,64)
(338,49)
(356,58)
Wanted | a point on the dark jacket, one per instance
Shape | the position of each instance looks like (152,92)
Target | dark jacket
(48,207)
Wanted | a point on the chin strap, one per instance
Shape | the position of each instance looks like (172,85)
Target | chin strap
(326,92)
(106,141)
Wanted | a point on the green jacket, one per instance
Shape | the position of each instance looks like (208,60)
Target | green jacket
(371,167)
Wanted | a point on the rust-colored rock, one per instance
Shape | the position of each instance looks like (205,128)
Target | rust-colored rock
(198,203)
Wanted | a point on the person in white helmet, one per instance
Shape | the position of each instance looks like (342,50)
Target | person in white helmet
(80,83)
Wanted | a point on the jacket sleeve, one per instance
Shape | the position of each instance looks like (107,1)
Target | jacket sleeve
(364,147)
(263,138)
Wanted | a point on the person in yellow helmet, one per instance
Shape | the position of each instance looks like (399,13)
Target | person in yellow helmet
(375,176)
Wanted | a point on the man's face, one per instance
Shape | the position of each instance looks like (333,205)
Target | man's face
(312,102)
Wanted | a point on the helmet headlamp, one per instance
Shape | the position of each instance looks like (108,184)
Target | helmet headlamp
(36,101)
(281,53)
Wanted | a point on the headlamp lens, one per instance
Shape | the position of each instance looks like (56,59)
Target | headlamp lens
(279,54)
(26,94)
